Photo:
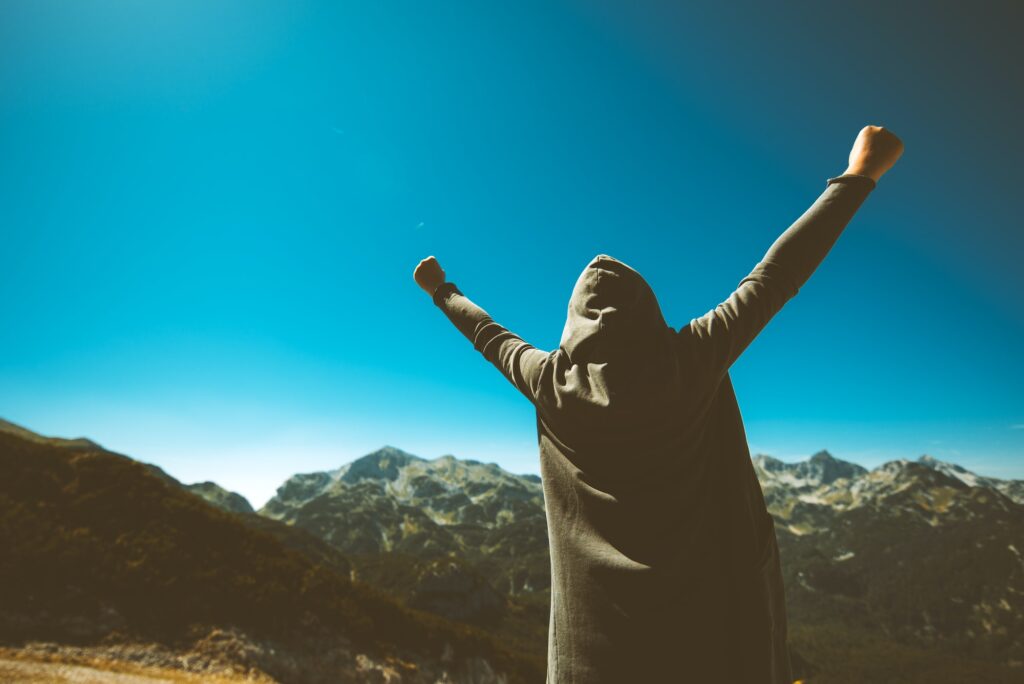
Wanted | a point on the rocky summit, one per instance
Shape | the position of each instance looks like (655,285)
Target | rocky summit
(392,501)
(446,490)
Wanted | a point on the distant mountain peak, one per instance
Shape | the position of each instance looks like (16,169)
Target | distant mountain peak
(823,455)
(936,464)
(820,469)
(391,500)
(392,451)
(769,463)
(384,464)
(824,468)
(220,497)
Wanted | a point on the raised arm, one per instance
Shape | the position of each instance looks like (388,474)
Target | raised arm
(519,361)
(716,339)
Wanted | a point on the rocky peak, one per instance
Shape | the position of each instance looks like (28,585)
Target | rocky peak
(902,474)
(447,489)
(824,468)
(392,501)
(297,490)
(820,469)
(768,463)
(384,464)
(1014,489)
(220,497)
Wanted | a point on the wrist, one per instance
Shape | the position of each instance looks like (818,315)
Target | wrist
(443,291)
(861,170)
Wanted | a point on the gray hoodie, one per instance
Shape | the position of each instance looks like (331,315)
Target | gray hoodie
(664,560)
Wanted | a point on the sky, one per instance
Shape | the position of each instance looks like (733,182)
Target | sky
(210,214)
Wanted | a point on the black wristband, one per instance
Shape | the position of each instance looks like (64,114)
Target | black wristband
(851,177)
(442,291)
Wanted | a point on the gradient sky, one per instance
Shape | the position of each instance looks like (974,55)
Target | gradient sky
(210,214)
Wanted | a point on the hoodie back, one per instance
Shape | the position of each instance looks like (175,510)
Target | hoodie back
(661,544)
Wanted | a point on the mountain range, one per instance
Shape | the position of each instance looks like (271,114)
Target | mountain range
(106,559)
(910,571)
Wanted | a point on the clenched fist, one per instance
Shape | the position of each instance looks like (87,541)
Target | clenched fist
(874,152)
(429,274)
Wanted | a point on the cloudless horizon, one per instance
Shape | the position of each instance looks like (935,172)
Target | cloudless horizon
(210,216)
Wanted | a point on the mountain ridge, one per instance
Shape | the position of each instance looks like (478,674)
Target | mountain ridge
(922,553)
(101,550)
(841,527)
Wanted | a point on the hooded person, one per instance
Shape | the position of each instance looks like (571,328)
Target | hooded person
(664,559)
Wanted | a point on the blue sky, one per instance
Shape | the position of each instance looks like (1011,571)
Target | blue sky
(210,213)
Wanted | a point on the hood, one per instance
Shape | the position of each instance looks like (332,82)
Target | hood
(615,383)
(612,315)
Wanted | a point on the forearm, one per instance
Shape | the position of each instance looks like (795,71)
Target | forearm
(716,339)
(487,337)
(723,333)
(471,320)
(803,246)
(519,361)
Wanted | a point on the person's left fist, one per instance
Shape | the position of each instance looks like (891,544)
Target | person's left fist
(429,274)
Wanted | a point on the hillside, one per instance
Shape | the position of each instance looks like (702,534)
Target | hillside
(906,550)
(99,549)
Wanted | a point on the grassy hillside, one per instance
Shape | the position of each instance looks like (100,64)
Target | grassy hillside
(95,542)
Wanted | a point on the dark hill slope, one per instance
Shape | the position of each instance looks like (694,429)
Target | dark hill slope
(97,545)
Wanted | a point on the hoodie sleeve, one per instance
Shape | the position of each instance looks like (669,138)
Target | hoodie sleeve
(717,338)
(519,361)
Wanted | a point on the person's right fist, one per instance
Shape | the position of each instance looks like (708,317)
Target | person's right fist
(874,152)
(429,274)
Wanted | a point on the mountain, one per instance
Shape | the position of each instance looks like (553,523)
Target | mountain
(392,501)
(1013,489)
(101,550)
(448,491)
(821,468)
(920,554)
(922,551)
(212,492)
(460,538)
(26,434)
(909,572)
(220,497)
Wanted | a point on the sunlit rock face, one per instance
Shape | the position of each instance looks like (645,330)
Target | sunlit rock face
(447,490)
(393,502)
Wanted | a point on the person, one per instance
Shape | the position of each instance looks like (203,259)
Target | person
(664,559)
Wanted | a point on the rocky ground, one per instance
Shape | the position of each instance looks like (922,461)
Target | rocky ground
(222,657)
(54,664)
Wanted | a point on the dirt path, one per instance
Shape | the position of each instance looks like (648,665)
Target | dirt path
(25,671)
